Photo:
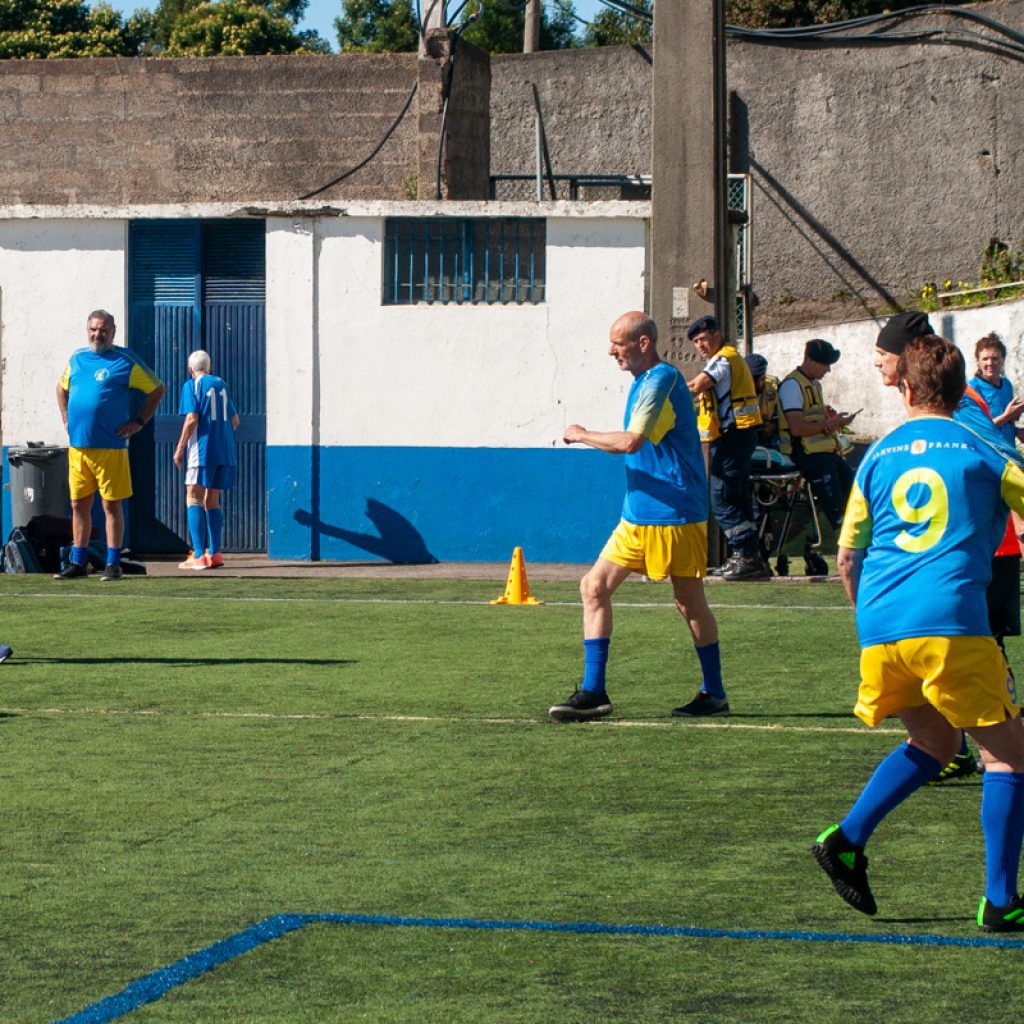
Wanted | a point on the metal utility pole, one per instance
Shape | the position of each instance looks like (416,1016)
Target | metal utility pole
(531,27)
(689,227)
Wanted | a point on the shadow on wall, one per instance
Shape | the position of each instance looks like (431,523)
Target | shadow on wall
(853,274)
(398,541)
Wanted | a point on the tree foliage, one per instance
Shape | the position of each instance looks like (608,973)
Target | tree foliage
(613,27)
(59,28)
(377,26)
(238,28)
(799,13)
(616,28)
(500,28)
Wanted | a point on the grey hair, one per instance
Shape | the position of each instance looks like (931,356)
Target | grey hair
(102,314)
(199,361)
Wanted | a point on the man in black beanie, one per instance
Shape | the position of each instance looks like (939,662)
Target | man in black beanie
(898,332)
(1003,593)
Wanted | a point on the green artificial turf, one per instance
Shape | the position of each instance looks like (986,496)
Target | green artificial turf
(183,758)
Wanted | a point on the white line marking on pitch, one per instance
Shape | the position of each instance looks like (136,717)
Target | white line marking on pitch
(665,605)
(449,720)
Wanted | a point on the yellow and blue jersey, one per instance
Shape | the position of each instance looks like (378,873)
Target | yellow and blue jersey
(214,437)
(665,480)
(929,506)
(99,386)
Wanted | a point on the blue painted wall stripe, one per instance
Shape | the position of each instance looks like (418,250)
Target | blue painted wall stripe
(398,504)
(157,984)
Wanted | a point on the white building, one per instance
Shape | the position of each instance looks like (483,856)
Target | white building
(401,400)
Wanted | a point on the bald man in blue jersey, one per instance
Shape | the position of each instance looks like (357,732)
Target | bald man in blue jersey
(927,510)
(663,529)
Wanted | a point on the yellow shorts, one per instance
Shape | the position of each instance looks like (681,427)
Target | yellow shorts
(660,551)
(965,678)
(99,469)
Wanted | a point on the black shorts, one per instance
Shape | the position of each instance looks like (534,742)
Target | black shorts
(1003,596)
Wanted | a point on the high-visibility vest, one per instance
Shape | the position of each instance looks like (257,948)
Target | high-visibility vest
(814,411)
(741,392)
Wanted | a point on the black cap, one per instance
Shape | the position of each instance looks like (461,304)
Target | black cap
(820,351)
(757,363)
(902,329)
(700,325)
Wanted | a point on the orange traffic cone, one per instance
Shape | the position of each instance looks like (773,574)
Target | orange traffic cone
(517,589)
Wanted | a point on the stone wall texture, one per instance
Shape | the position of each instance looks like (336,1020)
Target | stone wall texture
(110,131)
(876,168)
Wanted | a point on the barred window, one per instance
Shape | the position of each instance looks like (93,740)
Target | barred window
(464,260)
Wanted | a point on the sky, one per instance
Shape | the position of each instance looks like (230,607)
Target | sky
(320,14)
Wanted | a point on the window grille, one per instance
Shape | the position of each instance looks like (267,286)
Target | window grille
(464,260)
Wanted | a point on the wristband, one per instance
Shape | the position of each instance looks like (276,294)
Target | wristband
(138,419)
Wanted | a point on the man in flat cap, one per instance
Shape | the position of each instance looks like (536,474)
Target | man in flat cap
(728,419)
(811,428)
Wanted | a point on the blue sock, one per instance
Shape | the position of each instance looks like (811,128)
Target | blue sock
(711,669)
(1002,821)
(80,556)
(215,517)
(197,529)
(595,662)
(113,556)
(899,775)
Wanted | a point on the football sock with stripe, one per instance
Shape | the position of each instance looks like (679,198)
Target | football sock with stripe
(197,529)
(595,664)
(215,518)
(710,657)
(1002,821)
(899,775)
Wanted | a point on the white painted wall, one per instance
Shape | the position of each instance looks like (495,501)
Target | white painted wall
(291,330)
(53,273)
(462,376)
(854,383)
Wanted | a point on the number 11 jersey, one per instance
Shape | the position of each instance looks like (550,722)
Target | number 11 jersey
(207,396)
(929,506)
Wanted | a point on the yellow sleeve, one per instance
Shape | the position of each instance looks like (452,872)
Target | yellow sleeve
(142,380)
(1012,487)
(652,415)
(65,378)
(856,531)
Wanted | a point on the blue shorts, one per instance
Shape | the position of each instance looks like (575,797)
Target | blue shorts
(213,478)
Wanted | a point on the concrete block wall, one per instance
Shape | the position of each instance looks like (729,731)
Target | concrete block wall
(596,107)
(118,131)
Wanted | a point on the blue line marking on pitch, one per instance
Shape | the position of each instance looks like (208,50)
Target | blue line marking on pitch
(157,984)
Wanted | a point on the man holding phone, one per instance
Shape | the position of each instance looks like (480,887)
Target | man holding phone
(809,430)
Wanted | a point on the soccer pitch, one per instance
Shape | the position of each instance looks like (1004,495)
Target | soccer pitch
(364,769)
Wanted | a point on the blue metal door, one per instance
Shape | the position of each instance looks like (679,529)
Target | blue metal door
(192,285)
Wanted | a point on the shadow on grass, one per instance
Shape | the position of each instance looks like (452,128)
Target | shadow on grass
(188,661)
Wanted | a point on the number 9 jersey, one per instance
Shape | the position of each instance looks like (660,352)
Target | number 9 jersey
(929,506)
